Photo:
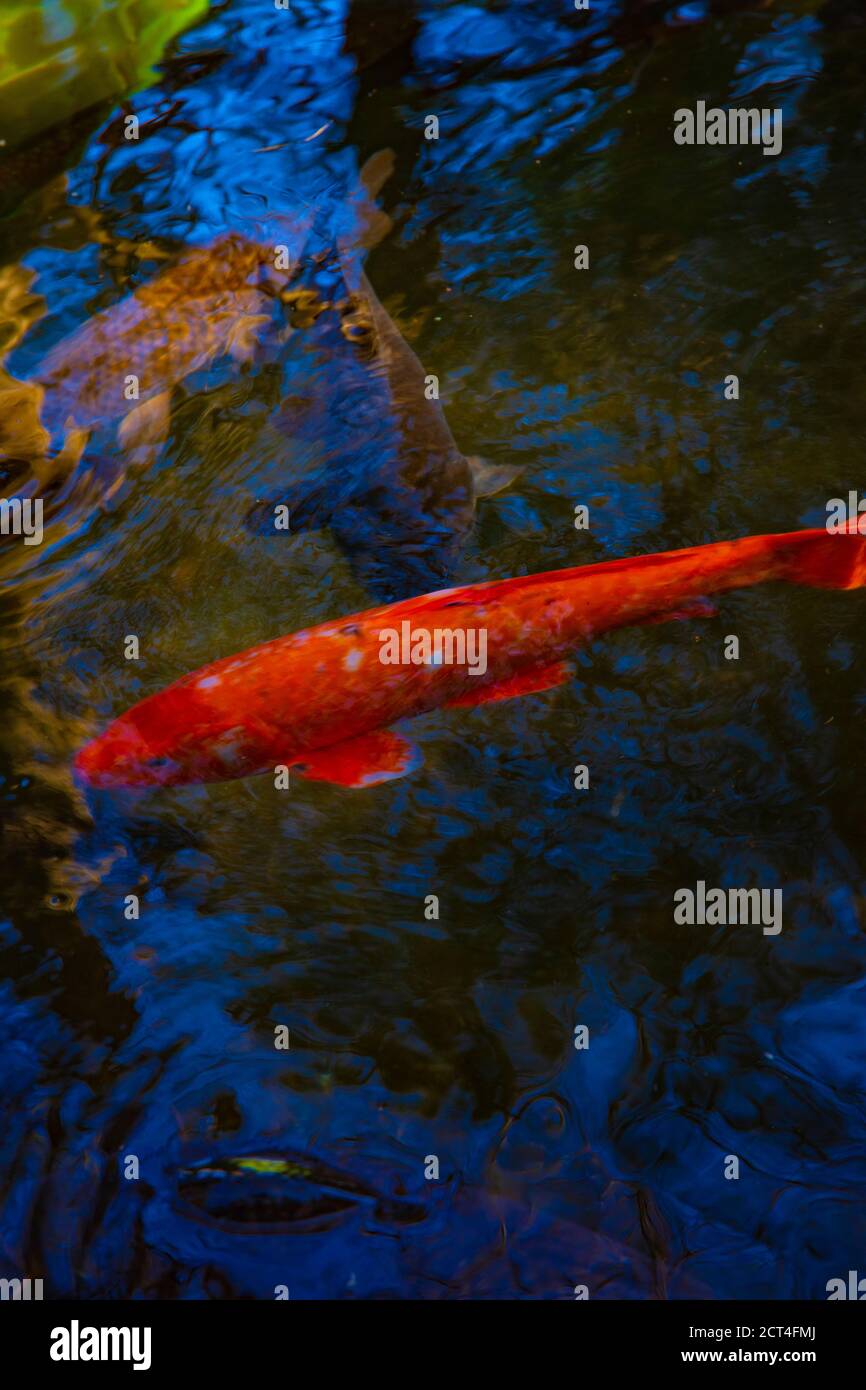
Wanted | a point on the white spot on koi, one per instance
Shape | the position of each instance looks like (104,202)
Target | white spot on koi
(228,745)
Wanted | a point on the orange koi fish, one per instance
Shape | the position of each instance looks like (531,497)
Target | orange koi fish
(323,700)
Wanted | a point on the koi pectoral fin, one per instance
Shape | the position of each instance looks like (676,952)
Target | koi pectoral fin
(694,608)
(244,337)
(144,429)
(362,762)
(524,683)
(490,478)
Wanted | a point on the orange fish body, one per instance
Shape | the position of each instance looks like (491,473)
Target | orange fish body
(323,699)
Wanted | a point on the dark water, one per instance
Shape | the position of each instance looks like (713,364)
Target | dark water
(454,1038)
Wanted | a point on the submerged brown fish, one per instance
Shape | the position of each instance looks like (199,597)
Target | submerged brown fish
(392,484)
(119,368)
(121,365)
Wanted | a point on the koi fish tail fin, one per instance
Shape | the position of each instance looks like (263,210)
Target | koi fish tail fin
(825,559)
(374,224)
(371,224)
(376,172)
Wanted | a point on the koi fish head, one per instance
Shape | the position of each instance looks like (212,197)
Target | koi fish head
(172,738)
(124,756)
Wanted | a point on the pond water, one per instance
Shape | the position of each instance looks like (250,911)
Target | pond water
(415,1037)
